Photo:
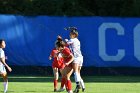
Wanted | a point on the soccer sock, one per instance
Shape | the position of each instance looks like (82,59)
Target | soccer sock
(55,83)
(5,84)
(69,85)
(82,83)
(63,80)
(66,85)
(77,77)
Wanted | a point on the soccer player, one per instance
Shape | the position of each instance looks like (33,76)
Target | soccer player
(74,45)
(57,64)
(68,59)
(3,64)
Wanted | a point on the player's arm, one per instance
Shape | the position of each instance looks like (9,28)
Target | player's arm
(68,42)
(4,63)
(71,59)
(69,55)
(50,57)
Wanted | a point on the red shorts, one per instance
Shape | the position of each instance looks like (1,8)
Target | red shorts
(59,66)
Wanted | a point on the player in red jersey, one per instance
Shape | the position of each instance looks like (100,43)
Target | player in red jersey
(57,64)
(68,59)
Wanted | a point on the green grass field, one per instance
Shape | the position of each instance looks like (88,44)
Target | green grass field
(94,84)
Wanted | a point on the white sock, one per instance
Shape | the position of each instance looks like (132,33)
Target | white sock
(77,77)
(64,87)
(82,83)
(70,91)
(5,84)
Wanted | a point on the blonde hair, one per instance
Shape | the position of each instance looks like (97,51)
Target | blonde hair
(74,32)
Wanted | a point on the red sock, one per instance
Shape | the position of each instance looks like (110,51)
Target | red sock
(66,84)
(55,83)
(63,80)
(69,85)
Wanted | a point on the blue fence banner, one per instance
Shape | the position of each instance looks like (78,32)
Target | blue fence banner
(105,41)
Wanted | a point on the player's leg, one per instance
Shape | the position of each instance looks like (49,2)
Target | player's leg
(63,80)
(68,72)
(56,76)
(81,80)
(79,70)
(3,73)
(76,75)
(5,83)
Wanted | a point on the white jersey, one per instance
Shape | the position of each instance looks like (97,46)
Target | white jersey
(2,67)
(1,55)
(75,47)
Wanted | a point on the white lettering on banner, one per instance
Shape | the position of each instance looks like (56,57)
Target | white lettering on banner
(102,42)
(137,42)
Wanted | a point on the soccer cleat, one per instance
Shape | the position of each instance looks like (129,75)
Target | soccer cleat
(77,89)
(55,90)
(61,90)
(5,91)
(83,89)
(70,91)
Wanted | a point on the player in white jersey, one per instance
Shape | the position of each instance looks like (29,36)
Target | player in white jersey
(74,45)
(3,64)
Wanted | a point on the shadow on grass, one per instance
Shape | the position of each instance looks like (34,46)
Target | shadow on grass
(8,91)
(24,91)
(38,91)
(34,91)
(87,79)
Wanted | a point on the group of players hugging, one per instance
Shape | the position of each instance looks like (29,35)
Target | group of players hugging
(68,59)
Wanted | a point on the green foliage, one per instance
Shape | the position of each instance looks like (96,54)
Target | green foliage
(129,8)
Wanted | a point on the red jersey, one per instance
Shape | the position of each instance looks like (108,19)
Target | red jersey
(57,59)
(66,54)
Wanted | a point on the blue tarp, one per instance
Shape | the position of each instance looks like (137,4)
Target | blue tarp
(105,41)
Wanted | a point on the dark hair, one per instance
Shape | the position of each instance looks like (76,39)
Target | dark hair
(59,38)
(60,44)
(1,41)
(70,28)
(73,30)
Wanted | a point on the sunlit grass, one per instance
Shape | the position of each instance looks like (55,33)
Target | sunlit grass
(94,84)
